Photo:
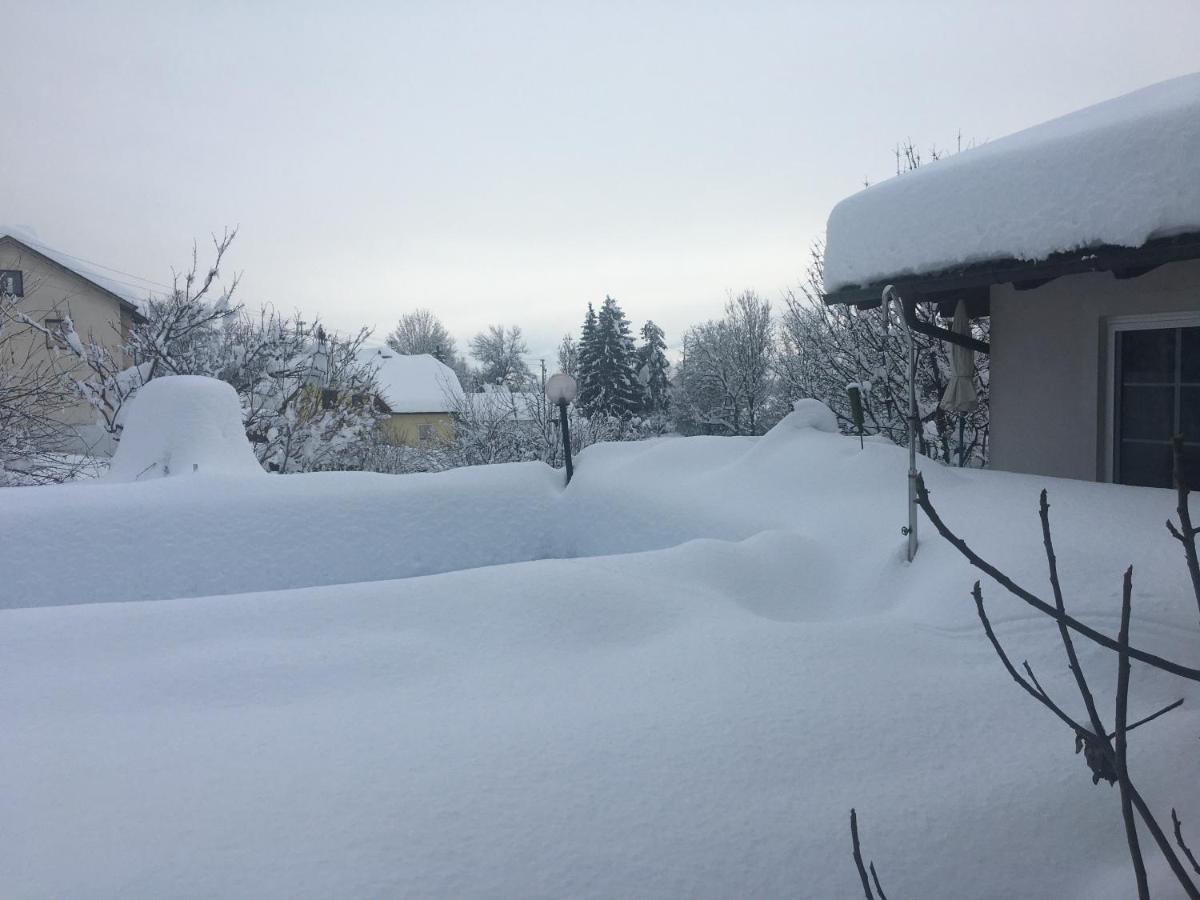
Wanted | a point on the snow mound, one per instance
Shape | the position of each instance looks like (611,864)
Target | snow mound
(183,424)
(809,414)
(1119,173)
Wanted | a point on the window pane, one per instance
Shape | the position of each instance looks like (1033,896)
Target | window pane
(1191,354)
(1191,466)
(1189,413)
(1148,465)
(1148,413)
(1148,355)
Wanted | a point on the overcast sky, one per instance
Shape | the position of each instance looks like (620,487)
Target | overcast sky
(502,162)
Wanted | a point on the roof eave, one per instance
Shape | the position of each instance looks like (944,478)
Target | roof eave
(122,303)
(972,282)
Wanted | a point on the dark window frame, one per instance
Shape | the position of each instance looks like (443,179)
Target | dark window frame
(1118,474)
(53,324)
(16,278)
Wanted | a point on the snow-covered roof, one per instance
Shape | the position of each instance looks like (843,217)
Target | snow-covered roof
(134,296)
(1118,173)
(413,384)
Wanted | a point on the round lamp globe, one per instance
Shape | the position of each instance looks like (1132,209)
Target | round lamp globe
(560,388)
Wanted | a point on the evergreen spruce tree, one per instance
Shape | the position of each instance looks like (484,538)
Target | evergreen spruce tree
(586,366)
(653,365)
(618,392)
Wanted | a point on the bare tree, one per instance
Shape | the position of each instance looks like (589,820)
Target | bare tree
(500,351)
(752,345)
(727,370)
(36,446)
(826,348)
(568,355)
(420,331)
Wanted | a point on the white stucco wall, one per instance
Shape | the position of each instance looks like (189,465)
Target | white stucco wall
(1049,367)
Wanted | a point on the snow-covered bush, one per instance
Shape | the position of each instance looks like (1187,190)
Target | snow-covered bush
(183,424)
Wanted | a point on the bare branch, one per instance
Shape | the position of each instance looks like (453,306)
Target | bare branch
(858,860)
(1151,717)
(1182,843)
(1131,836)
(1036,602)
(1186,533)
(1060,607)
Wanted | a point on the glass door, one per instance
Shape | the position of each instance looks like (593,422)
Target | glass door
(1157,397)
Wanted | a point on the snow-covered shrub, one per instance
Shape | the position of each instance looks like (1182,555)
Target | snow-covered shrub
(180,425)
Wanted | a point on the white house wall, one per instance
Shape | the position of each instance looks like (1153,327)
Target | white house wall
(1050,368)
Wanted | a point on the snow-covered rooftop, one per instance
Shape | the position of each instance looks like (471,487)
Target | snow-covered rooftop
(136,296)
(413,384)
(1117,173)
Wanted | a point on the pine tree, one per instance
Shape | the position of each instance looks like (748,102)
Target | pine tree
(586,364)
(618,392)
(653,365)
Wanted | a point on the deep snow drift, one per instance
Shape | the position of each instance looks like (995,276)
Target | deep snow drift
(693,717)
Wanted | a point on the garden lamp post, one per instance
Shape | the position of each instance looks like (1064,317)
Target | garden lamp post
(561,390)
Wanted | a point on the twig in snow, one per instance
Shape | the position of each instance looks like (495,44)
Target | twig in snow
(858,861)
(1185,533)
(1131,836)
(1182,843)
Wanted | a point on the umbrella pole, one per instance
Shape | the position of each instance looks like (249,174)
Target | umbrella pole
(962,444)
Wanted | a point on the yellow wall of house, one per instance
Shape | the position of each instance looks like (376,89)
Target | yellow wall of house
(405,429)
(50,292)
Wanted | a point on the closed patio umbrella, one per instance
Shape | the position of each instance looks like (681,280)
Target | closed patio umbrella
(960,396)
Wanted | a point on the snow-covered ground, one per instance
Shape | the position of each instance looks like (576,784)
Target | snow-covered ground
(673,678)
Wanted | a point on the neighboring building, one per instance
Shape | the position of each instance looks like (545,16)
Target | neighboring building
(419,394)
(1081,239)
(49,286)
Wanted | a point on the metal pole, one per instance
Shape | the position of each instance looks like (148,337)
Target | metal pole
(914,415)
(914,423)
(566,437)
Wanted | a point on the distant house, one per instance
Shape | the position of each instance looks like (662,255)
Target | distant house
(49,286)
(419,395)
(1080,238)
